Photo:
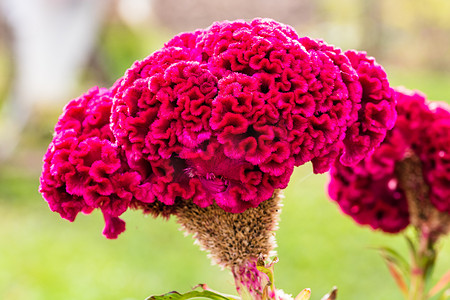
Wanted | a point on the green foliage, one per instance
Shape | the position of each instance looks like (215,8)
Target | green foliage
(190,295)
(398,267)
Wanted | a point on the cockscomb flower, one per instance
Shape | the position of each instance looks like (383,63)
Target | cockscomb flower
(210,127)
(223,115)
(220,115)
(406,180)
(84,169)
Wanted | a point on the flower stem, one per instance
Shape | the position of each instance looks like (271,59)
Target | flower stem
(250,282)
(428,222)
(237,241)
(255,279)
(422,265)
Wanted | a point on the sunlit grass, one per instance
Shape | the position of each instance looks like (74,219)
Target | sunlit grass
(45,257)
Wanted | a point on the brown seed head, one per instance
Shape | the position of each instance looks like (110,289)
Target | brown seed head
(233,239)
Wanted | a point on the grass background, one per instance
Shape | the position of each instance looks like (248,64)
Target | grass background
(45,257)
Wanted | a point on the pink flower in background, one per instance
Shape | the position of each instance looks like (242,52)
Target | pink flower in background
(370,192)
(223,115)
(434,152)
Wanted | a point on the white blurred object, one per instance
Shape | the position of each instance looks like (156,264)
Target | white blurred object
(52,41)
(135,12)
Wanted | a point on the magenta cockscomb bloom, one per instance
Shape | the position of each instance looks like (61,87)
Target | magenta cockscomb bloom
(371,193)
(435,156)
(224,114)
(84,168)
(221,115)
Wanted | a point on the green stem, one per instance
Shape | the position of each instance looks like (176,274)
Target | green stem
(426,219)
(422,265)
(417,289)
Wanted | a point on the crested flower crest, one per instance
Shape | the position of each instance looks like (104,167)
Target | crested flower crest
(217,116)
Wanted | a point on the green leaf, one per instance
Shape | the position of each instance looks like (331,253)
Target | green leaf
(268,272)
(189,295)
(411,246)
(429,262)
(268,269)
(399,280)
(397,266)
(168,296)
(395,259)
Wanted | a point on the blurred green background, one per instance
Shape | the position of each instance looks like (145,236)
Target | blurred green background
(45,257)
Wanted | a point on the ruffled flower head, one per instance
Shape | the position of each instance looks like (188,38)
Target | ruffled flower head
(223,115)
(83,167)
(374,192)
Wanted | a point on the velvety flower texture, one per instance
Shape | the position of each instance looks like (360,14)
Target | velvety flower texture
(83,167)
(370,193)
(223,115)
